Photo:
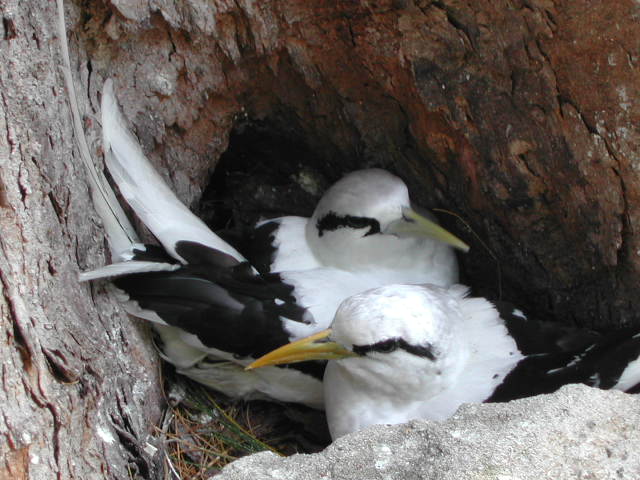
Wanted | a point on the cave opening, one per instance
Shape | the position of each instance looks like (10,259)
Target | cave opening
(269,171)
(273,167)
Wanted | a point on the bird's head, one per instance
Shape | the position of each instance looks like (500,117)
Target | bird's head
(364,214)
(390,339)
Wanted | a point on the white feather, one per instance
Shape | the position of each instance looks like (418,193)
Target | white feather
(321,290)
(175,350)
(145,190)
(489,348)
(267,383)
(293,252)
(225,372)
(630,376)
(133,308)
(119,230)
(126,268)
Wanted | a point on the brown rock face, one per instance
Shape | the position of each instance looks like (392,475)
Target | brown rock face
(519,116)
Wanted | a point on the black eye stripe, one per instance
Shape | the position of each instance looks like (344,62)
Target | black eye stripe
(332,221)
(385,346)
(426,350)
(392,344)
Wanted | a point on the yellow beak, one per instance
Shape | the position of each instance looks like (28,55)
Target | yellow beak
(412,224)
(314,347)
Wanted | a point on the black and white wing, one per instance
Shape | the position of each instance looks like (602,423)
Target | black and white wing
(542,336)
(608,361)
(275,245)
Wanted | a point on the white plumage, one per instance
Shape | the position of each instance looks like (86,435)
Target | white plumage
(472,350)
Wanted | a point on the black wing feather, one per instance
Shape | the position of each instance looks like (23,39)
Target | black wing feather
(256,244)
(542,336)
(218,299)
(599,365)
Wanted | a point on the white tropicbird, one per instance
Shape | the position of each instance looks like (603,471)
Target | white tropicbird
(403,352)
(363,223)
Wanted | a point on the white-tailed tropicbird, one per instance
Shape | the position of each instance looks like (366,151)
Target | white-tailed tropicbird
(403,352)
(207,302)
(363,222)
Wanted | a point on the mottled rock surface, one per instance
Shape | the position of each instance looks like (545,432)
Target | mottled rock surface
(575,433)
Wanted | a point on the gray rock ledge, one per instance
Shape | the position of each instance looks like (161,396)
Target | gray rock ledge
(575,433)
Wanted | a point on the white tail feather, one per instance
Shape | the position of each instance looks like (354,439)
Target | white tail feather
(226,377)
(630,376)
(126,268)
(144,189)
(174,350)
(120,232)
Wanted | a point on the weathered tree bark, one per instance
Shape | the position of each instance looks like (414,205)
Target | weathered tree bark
(80,390)
(520,116)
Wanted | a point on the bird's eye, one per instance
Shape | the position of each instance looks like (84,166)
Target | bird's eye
(356,222)
(387,346)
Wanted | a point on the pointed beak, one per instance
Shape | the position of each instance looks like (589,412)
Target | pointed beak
(315,347)
(412,224)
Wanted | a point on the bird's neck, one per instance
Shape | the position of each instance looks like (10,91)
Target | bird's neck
(492,354)
(406,260)
(357,396)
